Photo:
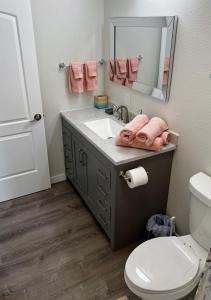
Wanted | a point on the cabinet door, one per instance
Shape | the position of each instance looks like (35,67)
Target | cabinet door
(68,152)
(80,167)
(98,190)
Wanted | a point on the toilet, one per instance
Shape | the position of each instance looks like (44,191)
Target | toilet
(169,268)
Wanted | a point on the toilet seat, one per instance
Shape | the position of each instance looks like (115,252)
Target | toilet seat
(161,266)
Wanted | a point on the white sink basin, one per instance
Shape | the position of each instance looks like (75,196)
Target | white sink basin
(104,128)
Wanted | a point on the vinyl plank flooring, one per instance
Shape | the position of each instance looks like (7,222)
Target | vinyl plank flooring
(51,248)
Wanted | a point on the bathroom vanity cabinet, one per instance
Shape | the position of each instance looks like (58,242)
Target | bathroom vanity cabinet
(90,174)
(122,212)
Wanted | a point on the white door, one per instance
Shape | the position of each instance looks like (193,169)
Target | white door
(23,151)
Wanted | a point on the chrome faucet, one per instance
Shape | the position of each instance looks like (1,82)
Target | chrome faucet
(123,114)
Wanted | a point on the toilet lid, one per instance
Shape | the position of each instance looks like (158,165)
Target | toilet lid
(161,265)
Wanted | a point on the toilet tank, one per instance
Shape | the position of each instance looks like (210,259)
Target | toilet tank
(200,209)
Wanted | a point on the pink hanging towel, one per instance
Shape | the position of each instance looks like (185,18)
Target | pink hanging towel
(76,78)
(133,64)
(166,70)
(118,80)
(128,83)
(121,68)
(111,69)
(91,75)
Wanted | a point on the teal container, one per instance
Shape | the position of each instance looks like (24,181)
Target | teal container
(101,101)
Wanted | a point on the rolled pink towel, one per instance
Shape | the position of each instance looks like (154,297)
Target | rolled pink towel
(150,131)
(156,146)
(128,133)
(119,141)
(166,137)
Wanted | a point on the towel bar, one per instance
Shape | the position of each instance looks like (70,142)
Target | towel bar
(122,174)
(140,57)
(63,65)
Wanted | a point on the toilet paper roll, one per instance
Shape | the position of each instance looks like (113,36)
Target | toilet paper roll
(136,177)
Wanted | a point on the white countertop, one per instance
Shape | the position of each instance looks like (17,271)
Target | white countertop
(116,154)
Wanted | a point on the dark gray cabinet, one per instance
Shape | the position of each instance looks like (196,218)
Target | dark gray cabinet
(80,165)
(68,151)
(122,212)
(98,190)
(89,175)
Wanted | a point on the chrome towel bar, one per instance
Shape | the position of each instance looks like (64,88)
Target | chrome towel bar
(62,65)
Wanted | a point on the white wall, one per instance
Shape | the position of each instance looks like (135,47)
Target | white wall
(65,30)
(189,109)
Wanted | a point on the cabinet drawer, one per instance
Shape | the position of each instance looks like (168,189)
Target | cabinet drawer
(98,191)
(98,178)
(103,216)
(102,187)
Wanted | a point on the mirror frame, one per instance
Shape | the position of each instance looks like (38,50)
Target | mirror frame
(156,22)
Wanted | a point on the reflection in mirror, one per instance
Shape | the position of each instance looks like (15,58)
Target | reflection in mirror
(141,54)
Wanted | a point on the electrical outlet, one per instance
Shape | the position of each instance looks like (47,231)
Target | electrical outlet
(127,100)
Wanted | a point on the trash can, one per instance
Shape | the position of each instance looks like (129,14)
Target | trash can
(160,225)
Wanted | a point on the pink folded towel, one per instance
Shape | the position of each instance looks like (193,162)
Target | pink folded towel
(91,75)
(133,64)
(152,130)
(121,68)
(166,137)
(91,68)
(77,69)
(156,146)
(166,70)
(112,69)
(128,133)
(166,64)
(76,78)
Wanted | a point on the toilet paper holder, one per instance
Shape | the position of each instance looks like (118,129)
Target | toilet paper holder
(122,174)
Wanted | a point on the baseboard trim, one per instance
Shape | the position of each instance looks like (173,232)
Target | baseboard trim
(58,178)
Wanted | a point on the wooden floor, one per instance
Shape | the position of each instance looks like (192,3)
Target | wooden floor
(52,249)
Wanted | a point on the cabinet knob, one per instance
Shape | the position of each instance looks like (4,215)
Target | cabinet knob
(84,157)
(81,156)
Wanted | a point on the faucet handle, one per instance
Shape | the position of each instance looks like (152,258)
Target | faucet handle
(114,106)
(116,113)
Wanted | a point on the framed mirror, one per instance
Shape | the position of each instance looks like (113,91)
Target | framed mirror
(142,52)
